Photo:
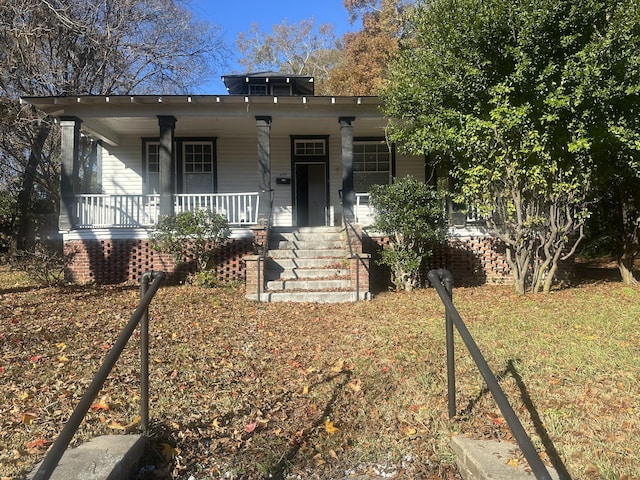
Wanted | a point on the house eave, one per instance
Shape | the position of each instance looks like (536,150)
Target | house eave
(66,105)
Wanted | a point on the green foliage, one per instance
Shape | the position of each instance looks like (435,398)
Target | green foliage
(411,213)
(528,100)
(191,235)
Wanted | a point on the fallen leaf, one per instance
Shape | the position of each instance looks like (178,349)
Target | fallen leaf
(28,417)
(127,428)
(356,385)
(408,431)
(513,462)
(168,451)
(591,469)
(329,427)
(337,368)
(100,405)
(250,427)
(37,443)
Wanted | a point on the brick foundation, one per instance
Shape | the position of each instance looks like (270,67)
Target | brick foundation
(473,260)
(125,260)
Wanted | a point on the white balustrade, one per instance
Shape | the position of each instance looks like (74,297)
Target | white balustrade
(104,211)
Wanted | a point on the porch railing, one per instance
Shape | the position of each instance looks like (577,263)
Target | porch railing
(364,213)
(108,211)
(362,210)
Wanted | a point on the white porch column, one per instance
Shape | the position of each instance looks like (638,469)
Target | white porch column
(70,141)
(263,124)
(167,160)
(348,192)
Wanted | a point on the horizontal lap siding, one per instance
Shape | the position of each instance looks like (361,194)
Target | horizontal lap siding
(410,165)
(281,167)
(122,167)
(237,160)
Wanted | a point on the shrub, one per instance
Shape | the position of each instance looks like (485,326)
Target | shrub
(43,265)
(412,215)
(191,235)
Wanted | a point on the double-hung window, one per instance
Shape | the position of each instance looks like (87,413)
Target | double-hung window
(152,163)
(371,164)
(197,161)
(195,166)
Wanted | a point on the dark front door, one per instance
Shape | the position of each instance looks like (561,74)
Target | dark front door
(311,194)
(310,165)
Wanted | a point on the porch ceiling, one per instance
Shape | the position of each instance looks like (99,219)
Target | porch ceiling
(110,118)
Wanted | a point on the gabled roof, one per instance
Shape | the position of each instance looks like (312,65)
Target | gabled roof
(238,84)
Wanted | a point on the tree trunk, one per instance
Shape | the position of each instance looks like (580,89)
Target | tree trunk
(24,238)
(519,268)
(625,265)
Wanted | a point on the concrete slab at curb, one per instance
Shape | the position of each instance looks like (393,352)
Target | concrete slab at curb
(487,460)
(109,457)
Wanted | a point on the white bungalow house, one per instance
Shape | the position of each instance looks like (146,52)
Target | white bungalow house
(285,166)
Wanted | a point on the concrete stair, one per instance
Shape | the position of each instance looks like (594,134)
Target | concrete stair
(309,264)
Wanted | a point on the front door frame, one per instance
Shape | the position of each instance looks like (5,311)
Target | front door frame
(296,160)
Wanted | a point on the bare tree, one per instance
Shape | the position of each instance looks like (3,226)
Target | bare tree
(82,47)
(298,48)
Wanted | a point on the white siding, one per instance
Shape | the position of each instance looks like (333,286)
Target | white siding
(281,167)
(122,167)
(410,165)
(237,165)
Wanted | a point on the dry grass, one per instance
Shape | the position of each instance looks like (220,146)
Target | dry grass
(319,391)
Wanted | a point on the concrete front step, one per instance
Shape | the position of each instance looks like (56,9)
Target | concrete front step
(308,273)
(310,297)
(284,264)
(307,234)
(303,284)
(316,244)
(101,458)
(321,253)
(308,264)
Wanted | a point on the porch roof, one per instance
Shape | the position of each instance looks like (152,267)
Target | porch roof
(110,117)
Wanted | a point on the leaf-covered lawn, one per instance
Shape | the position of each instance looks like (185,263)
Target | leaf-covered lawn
(250,390)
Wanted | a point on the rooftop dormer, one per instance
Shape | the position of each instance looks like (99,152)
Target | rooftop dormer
(269,83)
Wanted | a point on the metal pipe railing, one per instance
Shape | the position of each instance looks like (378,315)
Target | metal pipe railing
(61,443)
(442,280)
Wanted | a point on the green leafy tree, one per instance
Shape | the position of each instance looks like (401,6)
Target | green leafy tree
(191,235)
(499,89)
(411,214)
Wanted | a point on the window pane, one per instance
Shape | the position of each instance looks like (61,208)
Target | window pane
(198,167)
(309,147)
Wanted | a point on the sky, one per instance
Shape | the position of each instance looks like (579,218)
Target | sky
(235,16)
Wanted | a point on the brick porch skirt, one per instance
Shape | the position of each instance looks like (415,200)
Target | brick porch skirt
(472,260)
(126,260)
